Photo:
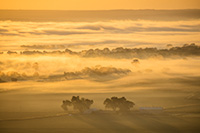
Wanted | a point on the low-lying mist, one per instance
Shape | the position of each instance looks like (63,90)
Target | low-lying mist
(124,71)
(120,69)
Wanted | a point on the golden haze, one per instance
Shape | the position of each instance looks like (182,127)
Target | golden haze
(98,4)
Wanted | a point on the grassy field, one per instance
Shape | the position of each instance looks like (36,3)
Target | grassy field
(42,113)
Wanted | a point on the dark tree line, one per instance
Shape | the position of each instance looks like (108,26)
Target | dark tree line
(122,52)
(78,104)
(114,103)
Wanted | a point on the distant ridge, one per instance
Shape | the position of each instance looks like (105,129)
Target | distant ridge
(103,10)
(98,15)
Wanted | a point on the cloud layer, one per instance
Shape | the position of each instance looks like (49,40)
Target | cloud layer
(99,34)
(113,27)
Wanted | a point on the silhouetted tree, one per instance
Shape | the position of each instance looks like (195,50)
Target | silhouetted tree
(77,103)
(81,104)
(135,62)
(118,103)
(65,104)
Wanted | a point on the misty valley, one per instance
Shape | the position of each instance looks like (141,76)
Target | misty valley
(109,71)
(41,89)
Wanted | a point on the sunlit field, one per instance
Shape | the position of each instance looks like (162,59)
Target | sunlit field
(153,62)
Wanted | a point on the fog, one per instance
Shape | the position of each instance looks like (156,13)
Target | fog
(103,71)
(100,34)
(115,72)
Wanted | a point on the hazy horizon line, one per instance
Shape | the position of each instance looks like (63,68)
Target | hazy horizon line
(100,9)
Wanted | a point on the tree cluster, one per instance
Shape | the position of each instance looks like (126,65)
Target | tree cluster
(121,104)
(78,104)
(114,103)
(122,52)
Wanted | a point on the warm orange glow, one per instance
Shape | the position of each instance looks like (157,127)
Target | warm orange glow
(98,4)
(100,66)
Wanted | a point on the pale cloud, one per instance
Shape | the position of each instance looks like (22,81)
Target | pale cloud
(112,34)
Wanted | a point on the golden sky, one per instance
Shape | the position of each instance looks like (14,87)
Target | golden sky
(98,4)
